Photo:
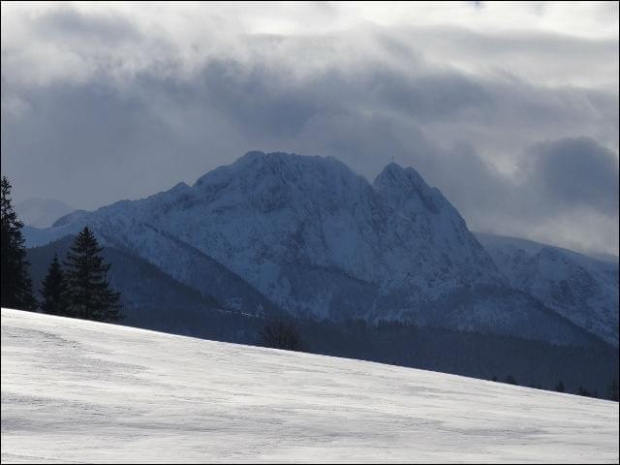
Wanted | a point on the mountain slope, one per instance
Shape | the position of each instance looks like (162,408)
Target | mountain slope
(438,228)
(78,391)
(580,288)
(153,299)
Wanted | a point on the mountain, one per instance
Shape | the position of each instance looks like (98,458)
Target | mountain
(320,241)
(77,391)
(40,212)
(580,288)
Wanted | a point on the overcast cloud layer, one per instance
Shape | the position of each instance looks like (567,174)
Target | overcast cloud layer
(511,110)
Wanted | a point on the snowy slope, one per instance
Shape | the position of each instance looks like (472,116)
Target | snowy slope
(580,288)
(318,240)
(41,213)
(77,391)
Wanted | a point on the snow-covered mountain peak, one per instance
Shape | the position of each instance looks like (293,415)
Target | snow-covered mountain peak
(405,187)
(268,182)
(399,176)
(180,187)
(280,164)
(291,167)
(435,222)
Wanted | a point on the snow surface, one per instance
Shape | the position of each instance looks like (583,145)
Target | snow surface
(78,391)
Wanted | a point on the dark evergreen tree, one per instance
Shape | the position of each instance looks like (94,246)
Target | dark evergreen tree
(560,387)
(281,334)
(581,391)
(612,390)
(511,380)
(55,292)
(90,295)
(16,285)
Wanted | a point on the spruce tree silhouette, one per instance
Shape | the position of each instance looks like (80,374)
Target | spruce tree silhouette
(55,292)
(15,285)
(90,295)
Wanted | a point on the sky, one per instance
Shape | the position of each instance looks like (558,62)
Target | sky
(511,109)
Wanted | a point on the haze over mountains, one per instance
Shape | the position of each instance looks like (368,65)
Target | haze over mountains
(308,236)
(41,213)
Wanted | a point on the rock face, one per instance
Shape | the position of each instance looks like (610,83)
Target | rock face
(318,240)
(580,288)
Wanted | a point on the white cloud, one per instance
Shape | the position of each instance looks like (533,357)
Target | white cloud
(568,43)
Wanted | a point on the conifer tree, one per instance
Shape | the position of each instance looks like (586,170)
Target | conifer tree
(511,380)
(560,387)
(612,390)
(55,291)
(581,391)
(16,285)
(90,295)
(280,334)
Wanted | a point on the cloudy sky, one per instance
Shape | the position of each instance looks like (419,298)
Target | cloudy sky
(512,110)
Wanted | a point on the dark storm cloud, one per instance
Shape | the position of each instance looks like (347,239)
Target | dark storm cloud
(259,101)
(84,139)
(578,172)
(126,116)
(429,97)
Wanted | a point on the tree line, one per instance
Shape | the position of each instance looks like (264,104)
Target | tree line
(77,288)
(611,394)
